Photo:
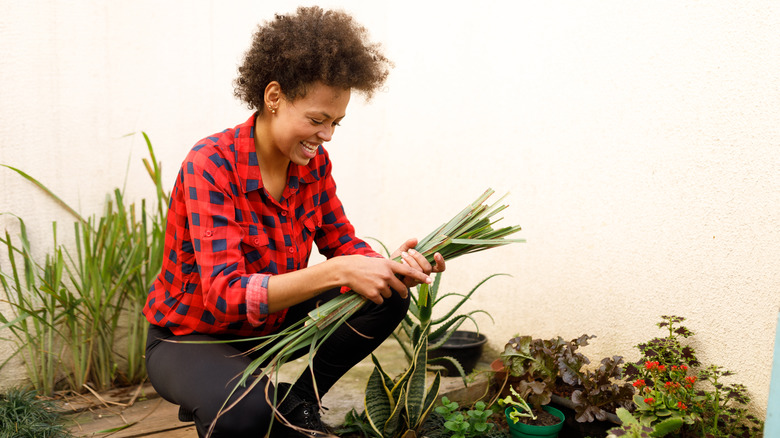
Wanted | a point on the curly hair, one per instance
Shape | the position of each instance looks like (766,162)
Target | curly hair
(310,46)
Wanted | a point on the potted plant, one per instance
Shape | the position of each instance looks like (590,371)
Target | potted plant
(526,421)
(553,371)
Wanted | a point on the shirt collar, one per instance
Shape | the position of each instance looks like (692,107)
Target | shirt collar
(248,168)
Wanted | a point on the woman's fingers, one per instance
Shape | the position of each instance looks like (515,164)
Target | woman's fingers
(412,276)
(409,244)
(440,264)
(416,261)
(424,265)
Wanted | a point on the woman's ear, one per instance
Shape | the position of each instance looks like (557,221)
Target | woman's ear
(273,95)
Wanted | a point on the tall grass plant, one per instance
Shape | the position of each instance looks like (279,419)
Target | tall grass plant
(68,310)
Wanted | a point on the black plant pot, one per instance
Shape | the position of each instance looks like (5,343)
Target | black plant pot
(465,347)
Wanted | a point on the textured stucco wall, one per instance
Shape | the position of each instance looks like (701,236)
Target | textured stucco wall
(639,142)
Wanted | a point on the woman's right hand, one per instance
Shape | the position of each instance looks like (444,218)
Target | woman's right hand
(376,278)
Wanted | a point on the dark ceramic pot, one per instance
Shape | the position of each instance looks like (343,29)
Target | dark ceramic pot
(465,347)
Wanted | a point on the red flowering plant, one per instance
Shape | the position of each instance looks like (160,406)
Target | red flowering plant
(670,395)
(664,351)
(675,394)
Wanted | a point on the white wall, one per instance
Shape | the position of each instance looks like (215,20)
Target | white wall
(639,142)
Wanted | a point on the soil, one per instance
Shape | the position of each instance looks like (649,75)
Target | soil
(543,418)
(563,389)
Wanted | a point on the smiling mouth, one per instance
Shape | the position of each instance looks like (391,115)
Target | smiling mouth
(311,147)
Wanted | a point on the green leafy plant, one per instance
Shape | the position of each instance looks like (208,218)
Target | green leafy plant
(355,423)
(522,408)
(474,423)
(23,415)
(631,428)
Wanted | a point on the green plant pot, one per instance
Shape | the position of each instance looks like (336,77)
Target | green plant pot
(521,430)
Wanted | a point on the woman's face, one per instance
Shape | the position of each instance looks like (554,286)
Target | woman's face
(299,127)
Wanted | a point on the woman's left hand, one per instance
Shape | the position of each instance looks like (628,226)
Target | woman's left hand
(415,260)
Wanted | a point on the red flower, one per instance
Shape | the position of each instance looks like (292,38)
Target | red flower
(639,383)
(691,379)
(684,367)
(681,405)
(649,400)
(661,367)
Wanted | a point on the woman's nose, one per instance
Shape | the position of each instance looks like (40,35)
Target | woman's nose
(326,133)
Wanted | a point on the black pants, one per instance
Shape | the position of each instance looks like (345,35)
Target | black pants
(199,377)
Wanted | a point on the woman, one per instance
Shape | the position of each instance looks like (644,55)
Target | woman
(245,209)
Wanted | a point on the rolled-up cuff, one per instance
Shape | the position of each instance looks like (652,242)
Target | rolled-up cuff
(257,299)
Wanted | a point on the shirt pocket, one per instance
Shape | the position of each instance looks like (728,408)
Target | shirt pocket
(311,223)
(254,245)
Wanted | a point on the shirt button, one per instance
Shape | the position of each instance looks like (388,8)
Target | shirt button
(284,213)
(290,250)
(208,233)
(256,241)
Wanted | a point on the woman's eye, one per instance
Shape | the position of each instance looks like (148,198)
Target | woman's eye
(316,122)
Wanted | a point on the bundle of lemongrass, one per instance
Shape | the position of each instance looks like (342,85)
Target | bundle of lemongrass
(469,231)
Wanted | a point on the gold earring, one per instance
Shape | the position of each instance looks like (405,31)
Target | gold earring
(273,110)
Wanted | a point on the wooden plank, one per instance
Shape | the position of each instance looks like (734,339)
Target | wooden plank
(145,418)
(114,397)
(186,432)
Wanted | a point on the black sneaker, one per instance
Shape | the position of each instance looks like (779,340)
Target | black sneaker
(301,413)
(185,416)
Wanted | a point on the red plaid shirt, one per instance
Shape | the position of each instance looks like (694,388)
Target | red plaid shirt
(225,236)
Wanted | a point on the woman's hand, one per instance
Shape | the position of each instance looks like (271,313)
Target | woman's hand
(415,260)
(376,278)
